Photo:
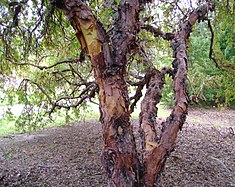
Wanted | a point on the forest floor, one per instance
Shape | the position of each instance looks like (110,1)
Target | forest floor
(69,156)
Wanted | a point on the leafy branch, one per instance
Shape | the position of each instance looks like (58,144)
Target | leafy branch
(66,102)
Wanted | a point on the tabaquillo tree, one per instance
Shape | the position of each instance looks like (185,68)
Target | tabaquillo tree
(109,34)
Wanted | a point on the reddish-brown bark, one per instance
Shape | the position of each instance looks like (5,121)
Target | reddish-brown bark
(149,109)
(119,155)
(155,160)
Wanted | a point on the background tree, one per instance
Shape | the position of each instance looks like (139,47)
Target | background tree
(119,39)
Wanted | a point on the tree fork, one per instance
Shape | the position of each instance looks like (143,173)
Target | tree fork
(155,159)
(119,155)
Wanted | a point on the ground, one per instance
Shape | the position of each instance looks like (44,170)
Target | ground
(70,155)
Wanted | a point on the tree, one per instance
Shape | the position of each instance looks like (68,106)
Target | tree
(109,49)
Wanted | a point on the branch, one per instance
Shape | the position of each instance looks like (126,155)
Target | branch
(43,67)
(87,93)
(155,159)
(149,110)
(136,76)
(40,88)
(138,94)
(125,30)
(211,44)
(17,10)
(89,32)
(157,32)
(60,72)
(182,12)
(142,53)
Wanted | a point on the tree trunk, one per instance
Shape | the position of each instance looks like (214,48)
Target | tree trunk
(119,155)
(157,154)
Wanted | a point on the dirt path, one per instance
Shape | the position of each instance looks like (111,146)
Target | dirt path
(70,155)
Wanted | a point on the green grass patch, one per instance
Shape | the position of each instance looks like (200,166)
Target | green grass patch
(7,127)
(162,112)
(59,118)
(63,117)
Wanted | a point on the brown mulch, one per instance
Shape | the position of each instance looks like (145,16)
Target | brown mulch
(70,155)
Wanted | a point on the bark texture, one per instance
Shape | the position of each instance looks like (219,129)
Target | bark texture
(119,155)
(155,159)
(108,57)
(149,109)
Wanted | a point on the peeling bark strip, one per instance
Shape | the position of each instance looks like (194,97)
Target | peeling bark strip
(155,160)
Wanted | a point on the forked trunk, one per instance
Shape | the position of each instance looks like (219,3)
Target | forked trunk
(119,155)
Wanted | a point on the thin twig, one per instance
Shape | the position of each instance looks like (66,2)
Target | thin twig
(43,67)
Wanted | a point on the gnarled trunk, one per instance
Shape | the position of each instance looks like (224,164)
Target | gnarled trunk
(119,155)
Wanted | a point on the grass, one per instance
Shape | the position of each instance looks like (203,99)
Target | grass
(162,112)
(7,125)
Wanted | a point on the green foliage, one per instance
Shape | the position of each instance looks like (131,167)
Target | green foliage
(41,39)
(7,126)
(41,69)
(168,94)
(214,86)
(224,52)
(225,34)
